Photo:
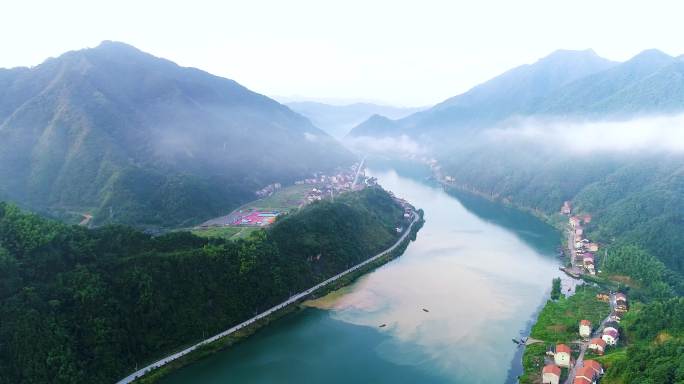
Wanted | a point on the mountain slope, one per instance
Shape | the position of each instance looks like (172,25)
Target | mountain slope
(138,139)
(512,92)
(575,84)
(649,82)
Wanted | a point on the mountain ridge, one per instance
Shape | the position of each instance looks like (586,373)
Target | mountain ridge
(115,130)
(578,83)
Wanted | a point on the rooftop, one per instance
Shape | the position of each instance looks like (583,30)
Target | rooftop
(552,368)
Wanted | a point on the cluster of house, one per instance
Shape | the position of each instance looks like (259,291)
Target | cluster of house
(584,249)
(268,190)
(588,373)
(611,333)
(340,182)
(408,209)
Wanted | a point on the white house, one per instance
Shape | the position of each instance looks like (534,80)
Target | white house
(551,374)
(610,336)
(562,355)
(585,329)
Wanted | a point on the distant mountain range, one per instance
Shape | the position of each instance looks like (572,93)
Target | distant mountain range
(565,83)
(138,139)
(338,120)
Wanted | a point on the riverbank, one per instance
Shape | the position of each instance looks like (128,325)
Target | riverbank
(161,368)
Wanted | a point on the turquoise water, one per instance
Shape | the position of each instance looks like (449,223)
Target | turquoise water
(480,269)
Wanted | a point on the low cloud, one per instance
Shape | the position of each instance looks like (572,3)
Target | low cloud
(650,134)
(310,137)
(402,145)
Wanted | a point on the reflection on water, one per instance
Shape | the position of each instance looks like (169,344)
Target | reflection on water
(480,278)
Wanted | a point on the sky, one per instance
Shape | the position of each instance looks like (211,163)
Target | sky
(404,53)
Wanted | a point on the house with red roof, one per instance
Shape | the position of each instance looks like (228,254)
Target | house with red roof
(574,221)
(566,208)
(585,329)
(562,355)
(597,345)
(593,364)
(592,247)
(551,374)
(586,219)
(585,375)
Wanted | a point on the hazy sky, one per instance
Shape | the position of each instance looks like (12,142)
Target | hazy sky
(400,52)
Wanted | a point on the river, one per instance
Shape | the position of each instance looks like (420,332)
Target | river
(480,270)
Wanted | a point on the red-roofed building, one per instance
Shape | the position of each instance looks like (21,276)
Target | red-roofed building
(566,208)
(574,221)
(597,345)
(586,219)
(585,375)
(592,247)
(593,364)
(562,355)
(585,328)
(551,374)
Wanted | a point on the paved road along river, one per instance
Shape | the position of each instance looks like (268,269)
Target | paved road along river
(480,271)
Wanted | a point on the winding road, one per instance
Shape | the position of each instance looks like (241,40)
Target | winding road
(293,299)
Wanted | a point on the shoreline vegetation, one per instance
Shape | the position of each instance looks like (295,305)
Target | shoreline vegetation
(624,265)
(112,299)
(316,299)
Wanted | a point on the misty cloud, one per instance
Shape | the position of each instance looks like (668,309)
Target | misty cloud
(655,133)
(387,145)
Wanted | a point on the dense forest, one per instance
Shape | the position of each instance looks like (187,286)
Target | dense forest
(655,353)
(634,199)
(88,306)
(637,205)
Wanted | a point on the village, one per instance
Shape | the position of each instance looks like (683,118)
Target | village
(566,363)
(275,200)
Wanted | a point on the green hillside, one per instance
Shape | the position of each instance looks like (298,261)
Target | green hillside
(85,306)
(136,139)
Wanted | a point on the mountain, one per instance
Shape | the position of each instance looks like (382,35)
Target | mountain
(576,84)
(651,81)
(138,139)
(512,92)
(338,120)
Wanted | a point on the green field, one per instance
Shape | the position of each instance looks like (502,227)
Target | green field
(229,233)
(284,200)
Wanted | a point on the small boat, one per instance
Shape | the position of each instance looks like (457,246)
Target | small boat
(425,310)
(516,341)
(383,325)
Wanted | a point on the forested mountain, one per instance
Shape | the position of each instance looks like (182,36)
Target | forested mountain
(87,306)
(510,93)
(650,82)
(338,120)
(137,139)
(576,84)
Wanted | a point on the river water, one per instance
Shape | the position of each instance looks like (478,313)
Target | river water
(480,270)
